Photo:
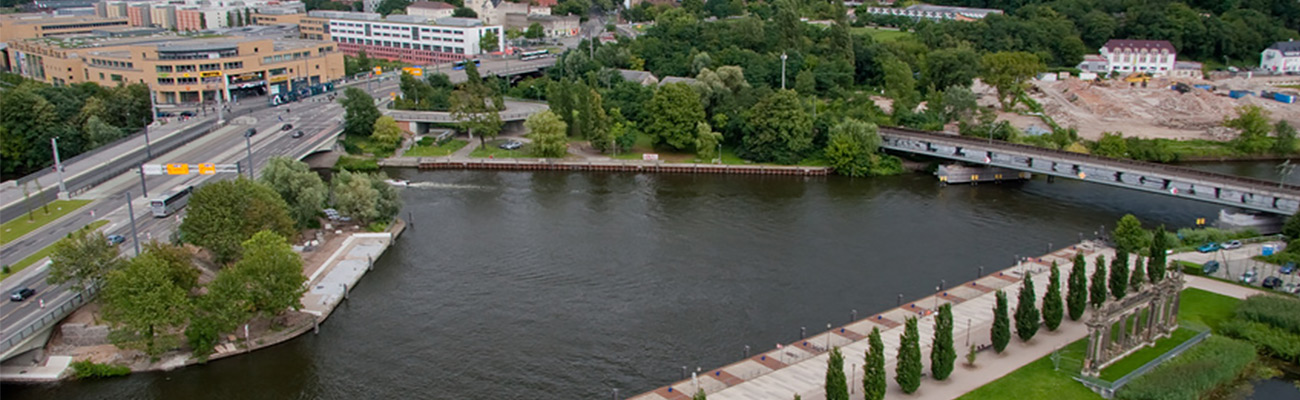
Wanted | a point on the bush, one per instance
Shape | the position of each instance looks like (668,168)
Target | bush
(1276,311)
(88,369)
(1197,237)
(1214,362)
(1270,340)
(356,164)
(377,226)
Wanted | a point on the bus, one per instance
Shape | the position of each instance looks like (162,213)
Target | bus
(169,202)
(459,65)
(533,55)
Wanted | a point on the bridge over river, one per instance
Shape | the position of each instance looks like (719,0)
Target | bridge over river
(1223,189)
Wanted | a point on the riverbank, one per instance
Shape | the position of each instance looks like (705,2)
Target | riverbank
(333,268)
(544,164)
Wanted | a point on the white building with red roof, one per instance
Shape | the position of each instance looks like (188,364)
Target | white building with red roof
(1126,56)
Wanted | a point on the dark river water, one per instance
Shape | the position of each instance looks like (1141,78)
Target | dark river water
(516,285)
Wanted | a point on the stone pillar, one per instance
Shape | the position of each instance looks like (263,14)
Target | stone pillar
(1123,331)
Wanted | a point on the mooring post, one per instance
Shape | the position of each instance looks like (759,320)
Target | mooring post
(803,331)
(345,291)
(315,326)
(746,352)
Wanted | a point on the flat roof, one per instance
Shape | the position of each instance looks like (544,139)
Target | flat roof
(42,18)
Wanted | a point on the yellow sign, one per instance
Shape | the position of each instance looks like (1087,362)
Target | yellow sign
(210,74)
(207,169)
(178,169)
(279,79)
(413,71)
(378,70)
(185,75)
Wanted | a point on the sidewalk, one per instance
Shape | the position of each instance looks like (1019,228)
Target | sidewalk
(54,369)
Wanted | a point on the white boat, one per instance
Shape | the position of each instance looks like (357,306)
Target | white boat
(397,182)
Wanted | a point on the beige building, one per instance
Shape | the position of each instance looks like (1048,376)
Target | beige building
(182,69)
(552,25)
(309,27)
(36,25)
(431,9)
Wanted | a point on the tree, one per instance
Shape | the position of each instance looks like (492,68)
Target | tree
(837,386)
(908,371)
(99,133)
(1285,142)
(178,262)
(1001,323)
(223,214)
(945,68)
(900,86)
(1027,315)
(1053,308)
(298,186)
(779,129)
(1119,275)
(1077,299)
(355,196)
(490,42)
(534,31)
(1097,287)
(700,395)
(463,12)
(476,107)
(594,123)
(1156,265)
(673,113)
(84,258)
(360,112)
(706,142)
(874,383)
(851,148)
(144,305)
(385,133)
(546,130)
(1138,274)
(1291,228)
(1128,235)
(1111,144)
(271,274)
(942,353)
(1252,123)
(1008,71)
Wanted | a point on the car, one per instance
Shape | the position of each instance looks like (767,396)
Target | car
(250,132)
(286,127)
(1231,245)
(1287,269)
(297,134)
(1272,282)
(1250,276)
(187,113)
(22,294)
(1208,248)
(114,240)
(511,145)
(1210,267)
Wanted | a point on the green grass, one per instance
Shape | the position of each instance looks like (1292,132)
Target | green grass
(1141,357)
(1201,308)
(492,149)
(436,151)
(41,254)
(882,35)
(1202,148)
(20,226)
(1038,380)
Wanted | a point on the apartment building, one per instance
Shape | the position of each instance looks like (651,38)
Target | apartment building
(431,9)
(1124,56)
(408,38)
(1281,57)
(36,25)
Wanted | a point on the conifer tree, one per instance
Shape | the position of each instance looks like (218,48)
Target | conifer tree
(1157,264)
(1053,309)
(1097,286)
(874,383)
(942,353)
(837,387)
(1138,276)
(1027,316)
(908,370)
(1077,299)
(1119,275)
(1001,323)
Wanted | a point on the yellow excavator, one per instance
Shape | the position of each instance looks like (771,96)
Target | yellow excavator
(1138,77)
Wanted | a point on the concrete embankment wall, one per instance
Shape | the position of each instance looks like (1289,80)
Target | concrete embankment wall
(607,166)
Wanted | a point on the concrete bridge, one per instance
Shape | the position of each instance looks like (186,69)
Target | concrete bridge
(1223,189)
(418,122)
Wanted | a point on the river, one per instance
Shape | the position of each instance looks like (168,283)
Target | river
(548,285)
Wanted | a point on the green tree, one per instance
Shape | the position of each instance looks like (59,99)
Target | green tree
(706,142)
(837,386)
(1156,265)
(594,122)
(271,274)
(1053,306)
(463,12)
(84,258)
(490,42)
(223,214)
(900,86)
(851,148)
(386,134)
(805,82)
(179,264)
(1119,275)
(1027,316)
(534,31)
(1097,287)
(1252,124)
(301,189)
(355,196)
(144,306)
(942,353)
(1128,235)
(874,382)
(908,371)
(1111,145)
(1291,228)
(1001,332)
(1008,72)
(1077,299)
(1284,143)
(1138,276)
(476,107)
(546,130)
(673,113)
(950,67)
(99,133)
(779,129)
(360,112)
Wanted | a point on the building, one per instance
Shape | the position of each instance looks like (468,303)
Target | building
(1188,69)
(668,80)
(553,26)
(642,77)
(494,12)
(194,15)
(181,69)
(936,13)
(1094,63)
(431,9)
(1126,56)
(408,38)
(1281,57)
(36,25)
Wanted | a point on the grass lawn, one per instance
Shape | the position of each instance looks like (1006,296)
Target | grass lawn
(1202,148)
(1038,380)
(1141,357)
(435,150)
(42,253)
(20,226)
(1202,308)
(882,35)
(494,150)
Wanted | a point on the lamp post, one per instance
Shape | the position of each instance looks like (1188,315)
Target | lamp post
(58,167)
(783,57)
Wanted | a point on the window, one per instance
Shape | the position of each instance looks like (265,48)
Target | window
(184,68)
(187,81)
(235,65)
(277,71)
(116,78)
(209,67)
(166,81)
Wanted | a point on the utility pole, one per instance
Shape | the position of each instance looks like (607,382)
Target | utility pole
(248,145)
(221,114)
(143,188)
(783,57)
(58,166)
(131,211)
(153,115)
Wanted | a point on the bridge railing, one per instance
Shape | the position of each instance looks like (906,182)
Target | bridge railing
(1137,165)
(55,314)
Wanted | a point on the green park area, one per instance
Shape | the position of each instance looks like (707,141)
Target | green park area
(39,217)
(426,148)
(493,150)
(10,269)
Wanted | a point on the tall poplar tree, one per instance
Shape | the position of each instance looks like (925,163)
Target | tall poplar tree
(1001,323)
(942,354)
(1097,286)
(1077,299)
(1156,266)
(837,386)
(908,370)
(1119,275)
(1027,315)
(1053,308)
(874,383)
(1138,276)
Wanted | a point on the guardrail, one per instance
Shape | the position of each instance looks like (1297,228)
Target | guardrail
(55,314)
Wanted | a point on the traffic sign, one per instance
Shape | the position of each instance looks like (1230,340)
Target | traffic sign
(186,169)
(207,169)
(153,169)
(178,169)
(378,70)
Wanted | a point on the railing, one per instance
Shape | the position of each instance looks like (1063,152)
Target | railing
(54,315)
(1066,155)
(1108,389)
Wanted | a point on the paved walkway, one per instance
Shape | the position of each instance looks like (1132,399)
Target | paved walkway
(55,367)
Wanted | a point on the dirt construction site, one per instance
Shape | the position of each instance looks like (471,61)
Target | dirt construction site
(1154,111)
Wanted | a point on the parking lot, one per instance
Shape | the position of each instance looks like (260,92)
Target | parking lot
(1236,262)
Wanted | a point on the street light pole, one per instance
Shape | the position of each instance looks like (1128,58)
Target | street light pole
(153,115)
(58,166)
(783,57)
(135,238)
(248,145)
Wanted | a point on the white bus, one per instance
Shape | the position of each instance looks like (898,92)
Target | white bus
(171,201)
(533,55)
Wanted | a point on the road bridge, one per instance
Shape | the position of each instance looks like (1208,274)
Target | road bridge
(418,122)
(1187,183)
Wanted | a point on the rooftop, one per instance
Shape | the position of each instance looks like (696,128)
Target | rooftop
(42,18)
(1286,47)
(431,5)
(676,79)
(457,21)
(1139,44)
(545,17)
(954,10)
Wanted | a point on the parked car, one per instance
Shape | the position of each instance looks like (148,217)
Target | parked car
(1287,269)
(187,113)
(1208,248)
(1231,245)
(297,134)
(22,294)
(286,127)
(511,145)
(1210,267)
(1250,276)
(1272,282)
(114,240)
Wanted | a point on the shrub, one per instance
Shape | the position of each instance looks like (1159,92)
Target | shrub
(1214,362)
(377,226)
(1275,311)
(1270,340)
(88,369)
(356,164)
(1197,237)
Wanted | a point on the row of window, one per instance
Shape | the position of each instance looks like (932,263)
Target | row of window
(192,55)
(201,67)
(285,57)
(333,28)
(1145,58)
(400,45)
(111,63)
(177,81)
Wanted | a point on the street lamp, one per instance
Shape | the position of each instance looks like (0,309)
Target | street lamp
(783,57)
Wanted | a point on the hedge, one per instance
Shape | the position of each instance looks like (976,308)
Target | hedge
(1214,362)
(88,369)
(1270,340)
(1277,311)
